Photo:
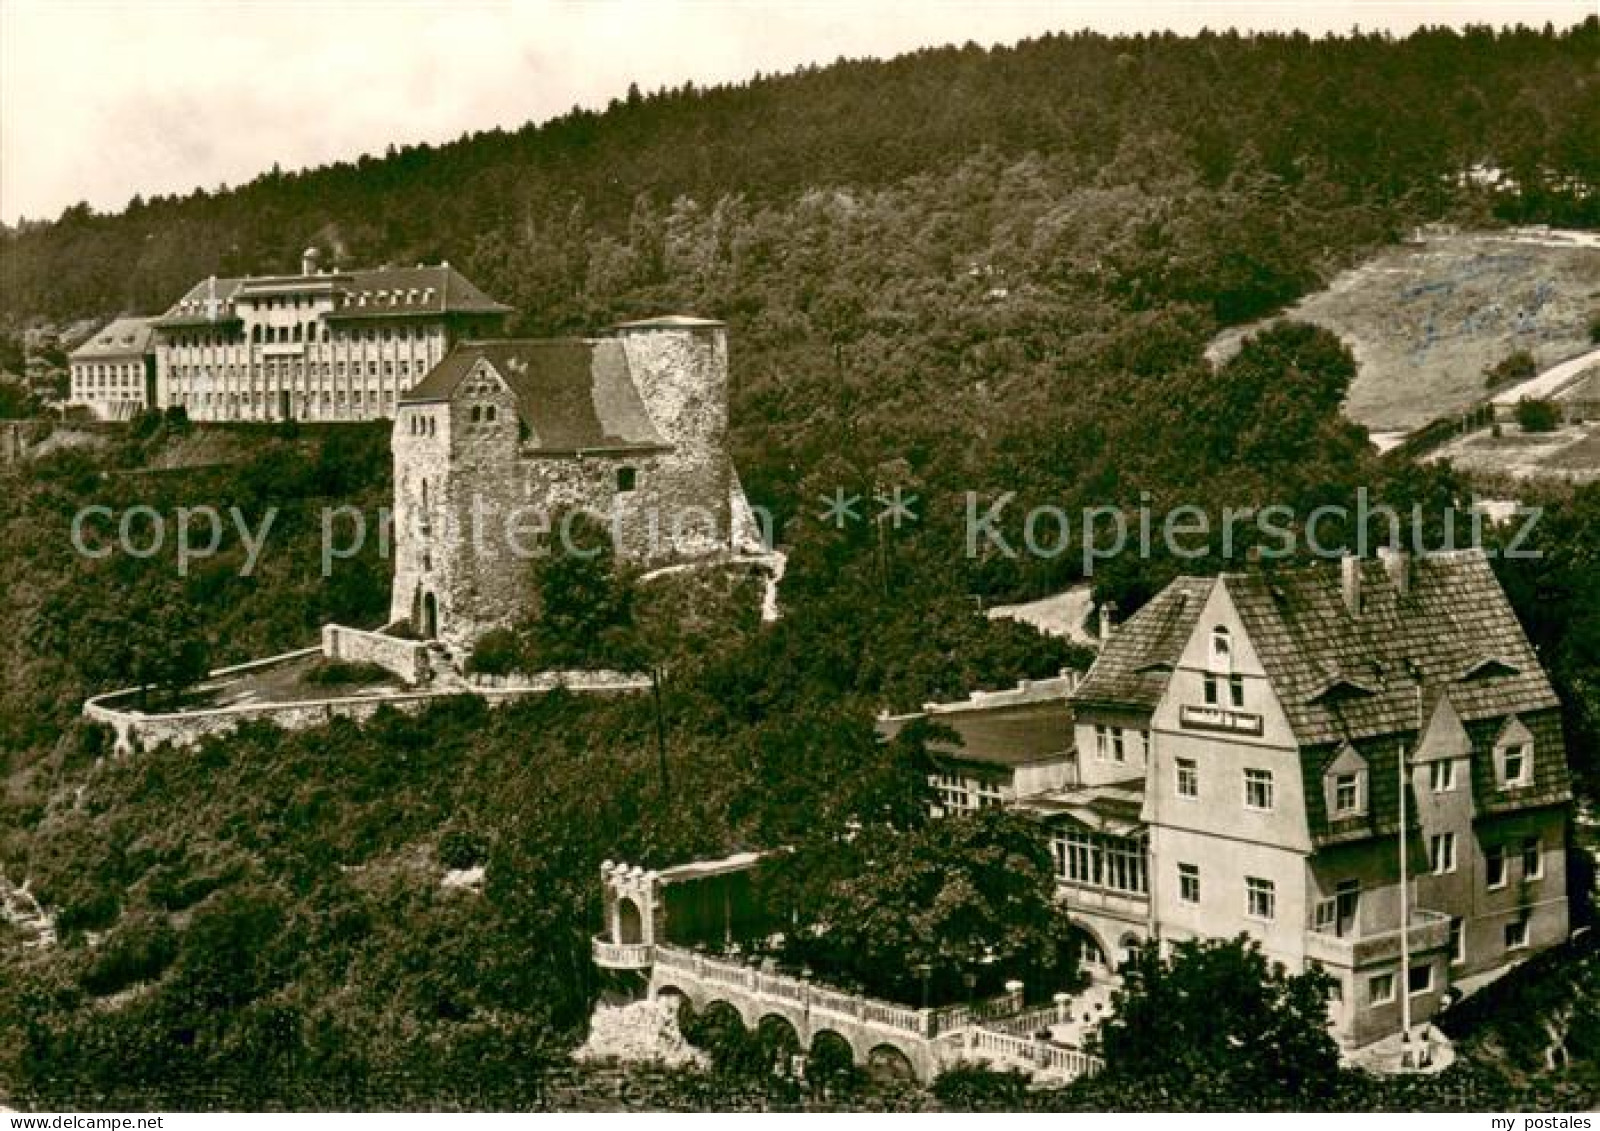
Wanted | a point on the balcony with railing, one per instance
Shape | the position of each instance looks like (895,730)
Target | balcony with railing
(1353,947)
(609,955)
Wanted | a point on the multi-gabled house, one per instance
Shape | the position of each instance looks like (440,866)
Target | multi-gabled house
(1240,740)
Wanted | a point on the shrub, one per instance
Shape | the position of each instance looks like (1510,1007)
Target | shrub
(90,912)
(1537,416)
(496,652)
(1518,366)
(972,1087)
(138,951)
(145,424)
(346,672)
(460,848)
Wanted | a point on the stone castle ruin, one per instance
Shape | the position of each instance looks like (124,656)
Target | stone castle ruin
(504,439)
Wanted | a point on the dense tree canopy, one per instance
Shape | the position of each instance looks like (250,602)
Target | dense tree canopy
(1216,1013)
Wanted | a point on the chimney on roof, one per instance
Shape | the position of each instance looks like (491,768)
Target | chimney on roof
(1397,564)
(308,261)
(1108,610)
(1350,583)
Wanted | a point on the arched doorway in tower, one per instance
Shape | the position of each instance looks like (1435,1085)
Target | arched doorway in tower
(630,924)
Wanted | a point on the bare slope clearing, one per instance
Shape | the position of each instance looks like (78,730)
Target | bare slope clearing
(1426,319)
(1571,452)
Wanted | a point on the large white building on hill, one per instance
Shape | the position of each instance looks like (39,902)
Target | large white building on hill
(321,345)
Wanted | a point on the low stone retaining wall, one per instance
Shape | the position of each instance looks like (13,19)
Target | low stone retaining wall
(591,681)
(407,659)
(136,730)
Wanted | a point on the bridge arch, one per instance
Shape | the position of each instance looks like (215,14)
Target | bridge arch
(830,1055)
(779,1039)
(688,1009)
(888,1061)
(721,1010)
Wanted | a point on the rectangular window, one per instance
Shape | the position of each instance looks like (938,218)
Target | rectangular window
(1494,866)
(952,791)
(1211,691)
(1442,776)
(1327,917)
(1532,859)
(1458,941)
(1516,765)
(1097,860)
(1421,978)
(1188,778)
(1347,903)
(1442,851)
(1517,934)
(1380,989)
(1102,743)
(1258,789)
(1260,898)
(627,479)
(1236,691)
(1346,794)
(1189,883)
(1119,750)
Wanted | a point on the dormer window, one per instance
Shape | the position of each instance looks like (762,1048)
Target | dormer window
(1344,785)
(1515,766)
(1513,756)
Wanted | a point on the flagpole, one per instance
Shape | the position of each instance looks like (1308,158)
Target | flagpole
(1405,925)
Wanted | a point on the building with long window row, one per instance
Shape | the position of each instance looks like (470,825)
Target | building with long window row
(320,345)
(113,372)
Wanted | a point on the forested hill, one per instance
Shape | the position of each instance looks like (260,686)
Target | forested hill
(1369,116)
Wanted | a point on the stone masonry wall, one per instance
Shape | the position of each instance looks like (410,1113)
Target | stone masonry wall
(682,375)
(459,481)
(421,471)
(407,659)
(136,731)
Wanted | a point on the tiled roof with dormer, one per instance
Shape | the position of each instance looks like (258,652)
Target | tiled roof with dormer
(1134,665)
(1450,631)
(1452,617)
(574,394)
(363,294)
(399,292)
(121,337)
